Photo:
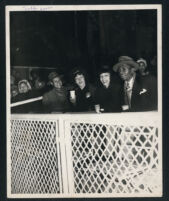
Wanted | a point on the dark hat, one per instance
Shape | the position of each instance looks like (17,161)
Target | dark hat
(104,69)
(125,60)
(52,75)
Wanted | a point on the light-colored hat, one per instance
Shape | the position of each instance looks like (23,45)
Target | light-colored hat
(25,82)
(125,60)
(141,60)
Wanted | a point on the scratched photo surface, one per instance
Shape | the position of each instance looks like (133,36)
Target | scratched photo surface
(84,101)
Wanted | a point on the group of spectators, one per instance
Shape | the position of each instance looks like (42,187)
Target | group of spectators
(130,88)
(23,89)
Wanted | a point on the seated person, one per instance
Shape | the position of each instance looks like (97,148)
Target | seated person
(37,82)
(25,93)
(56,100)
(12,80)
(107,94)
(24,89)
(138,93)
(84,92)
(14,91)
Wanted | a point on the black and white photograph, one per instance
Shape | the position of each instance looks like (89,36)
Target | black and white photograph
(84,101)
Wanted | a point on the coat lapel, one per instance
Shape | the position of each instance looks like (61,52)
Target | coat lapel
(135,92)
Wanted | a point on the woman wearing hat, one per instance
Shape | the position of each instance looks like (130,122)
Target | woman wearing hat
(142,67)
(107,93)
(25,93)
(84,92)
(56,100)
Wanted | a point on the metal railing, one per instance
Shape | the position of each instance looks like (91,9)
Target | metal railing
(85,155)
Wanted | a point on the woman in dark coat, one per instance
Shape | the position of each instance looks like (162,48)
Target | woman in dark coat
(84,92)
(107,95)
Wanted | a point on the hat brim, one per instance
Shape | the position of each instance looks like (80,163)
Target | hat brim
(142,61)
(132,64)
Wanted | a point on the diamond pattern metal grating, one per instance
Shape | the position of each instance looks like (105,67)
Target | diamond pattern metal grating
(48,157)
(114,158)
(34,161)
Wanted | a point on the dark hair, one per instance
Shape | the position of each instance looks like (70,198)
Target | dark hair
(78,71)
(34,71)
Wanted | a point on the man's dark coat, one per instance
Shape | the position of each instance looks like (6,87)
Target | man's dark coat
(144,94)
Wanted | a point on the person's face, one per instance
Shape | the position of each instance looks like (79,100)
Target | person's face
(39,84)
(57,83)
(142,67)
(12,80)
(126,72)
(14,92)
(105,79)
(23,88)
(80,80)
(34,76)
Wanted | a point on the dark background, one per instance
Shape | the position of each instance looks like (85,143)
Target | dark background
(165,91)
(65,39)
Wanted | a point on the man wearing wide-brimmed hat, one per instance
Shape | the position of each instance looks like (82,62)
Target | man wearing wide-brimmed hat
(137,93)
(56,100)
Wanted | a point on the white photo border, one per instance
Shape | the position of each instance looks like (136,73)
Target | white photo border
(49,8)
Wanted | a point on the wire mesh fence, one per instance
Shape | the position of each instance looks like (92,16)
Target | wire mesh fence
(73,157)
(34,157)
(114,158)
